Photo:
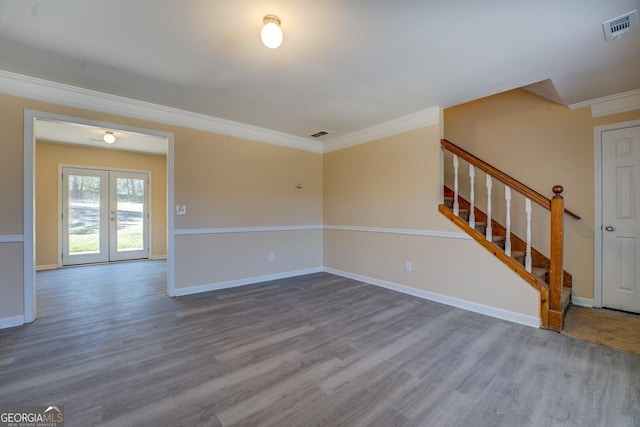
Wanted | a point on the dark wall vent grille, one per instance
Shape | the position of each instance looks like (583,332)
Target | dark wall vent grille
(319,134)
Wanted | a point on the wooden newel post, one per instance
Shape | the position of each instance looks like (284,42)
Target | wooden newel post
(556,258)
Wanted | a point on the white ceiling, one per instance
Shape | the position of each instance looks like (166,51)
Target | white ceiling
(92,136)
(344,65)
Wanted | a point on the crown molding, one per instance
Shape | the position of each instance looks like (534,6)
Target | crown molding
(71,96)
(428,117)
(613,104)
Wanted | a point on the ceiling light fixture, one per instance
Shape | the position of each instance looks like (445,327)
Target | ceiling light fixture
(109,138)
(271,33)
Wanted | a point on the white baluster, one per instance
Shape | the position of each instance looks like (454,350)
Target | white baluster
(488,229)
(507,241)
(527,258)
(456,205)
(472,197)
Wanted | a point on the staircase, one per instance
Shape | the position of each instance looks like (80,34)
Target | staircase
(543,273)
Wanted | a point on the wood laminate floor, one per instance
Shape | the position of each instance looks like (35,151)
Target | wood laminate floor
(316,350)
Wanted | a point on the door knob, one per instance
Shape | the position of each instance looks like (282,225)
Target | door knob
(609,228)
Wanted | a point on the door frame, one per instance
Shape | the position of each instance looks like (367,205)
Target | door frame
(597,214)
(148,195)
(29,199)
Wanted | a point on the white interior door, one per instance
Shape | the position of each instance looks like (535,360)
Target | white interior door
(105,216)
(620,216)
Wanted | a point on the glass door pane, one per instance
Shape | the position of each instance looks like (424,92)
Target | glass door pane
(84,216)
(129,237)
(130,210)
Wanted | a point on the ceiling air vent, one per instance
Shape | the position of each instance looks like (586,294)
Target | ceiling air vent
(319,134)
(617,27)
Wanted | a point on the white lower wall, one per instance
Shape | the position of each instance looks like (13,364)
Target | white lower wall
(11,279)
(218,257)
(511,316)
(446,269)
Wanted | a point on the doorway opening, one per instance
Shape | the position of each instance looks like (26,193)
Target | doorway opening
(130,217)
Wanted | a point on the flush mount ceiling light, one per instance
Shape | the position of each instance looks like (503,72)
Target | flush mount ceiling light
(109,138)
(271,33)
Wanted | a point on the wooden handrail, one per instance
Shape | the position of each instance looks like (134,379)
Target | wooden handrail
(502,177)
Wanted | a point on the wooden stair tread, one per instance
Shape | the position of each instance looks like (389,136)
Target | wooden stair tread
(448,202)
(539,272)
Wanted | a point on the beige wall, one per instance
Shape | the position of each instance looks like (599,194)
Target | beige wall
(224,181)
(393,183)
(227,182)
(49,156)
(11,118)
(541,144)
(11,218)
(248,183)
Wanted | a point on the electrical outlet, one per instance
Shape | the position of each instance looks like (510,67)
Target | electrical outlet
(272,257)
(407,267)
(181,209)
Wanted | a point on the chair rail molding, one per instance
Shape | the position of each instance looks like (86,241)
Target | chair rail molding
(11,238)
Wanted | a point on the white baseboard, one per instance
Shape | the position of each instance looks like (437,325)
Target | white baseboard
(10,322)
(444,299)
(582,302)
(243,282)
(158,257)
(46,267)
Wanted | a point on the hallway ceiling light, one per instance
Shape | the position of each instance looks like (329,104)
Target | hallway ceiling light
(271,33)
(109,138)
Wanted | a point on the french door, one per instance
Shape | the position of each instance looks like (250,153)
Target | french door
(105,215)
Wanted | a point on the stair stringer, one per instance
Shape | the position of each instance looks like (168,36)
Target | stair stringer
(533,281)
